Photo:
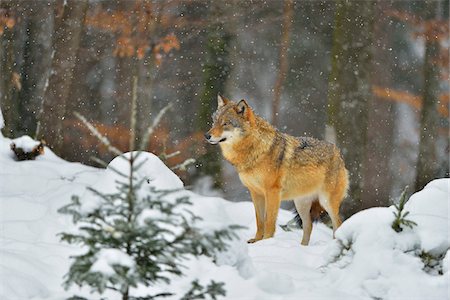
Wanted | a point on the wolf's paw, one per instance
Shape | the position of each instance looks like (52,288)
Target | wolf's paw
(251,241)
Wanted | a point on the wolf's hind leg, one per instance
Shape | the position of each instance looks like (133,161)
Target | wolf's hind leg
(260,211)
(303,206)
(331,206)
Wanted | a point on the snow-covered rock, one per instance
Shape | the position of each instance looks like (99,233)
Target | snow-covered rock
(26,143)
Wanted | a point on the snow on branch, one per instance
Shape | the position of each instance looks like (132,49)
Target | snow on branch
(155,123)
(104,140)
(182,166)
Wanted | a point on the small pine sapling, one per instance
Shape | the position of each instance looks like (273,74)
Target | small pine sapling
(136,236)
(400,215)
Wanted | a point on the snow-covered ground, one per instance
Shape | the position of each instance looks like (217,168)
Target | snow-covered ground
(368,260)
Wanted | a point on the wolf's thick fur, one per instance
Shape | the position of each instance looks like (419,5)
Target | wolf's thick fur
(275,166)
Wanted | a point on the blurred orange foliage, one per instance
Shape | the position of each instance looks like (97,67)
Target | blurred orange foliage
(135,32)
(7,21)
(411,99)
(435,29)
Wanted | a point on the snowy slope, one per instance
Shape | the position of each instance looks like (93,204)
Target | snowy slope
(33,261)
(375,261)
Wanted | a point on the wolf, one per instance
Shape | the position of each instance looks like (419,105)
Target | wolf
(275,166)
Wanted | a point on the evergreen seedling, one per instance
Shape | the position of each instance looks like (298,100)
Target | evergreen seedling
(136,235)
(400,214)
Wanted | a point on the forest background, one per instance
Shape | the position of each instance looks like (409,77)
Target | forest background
(371,76)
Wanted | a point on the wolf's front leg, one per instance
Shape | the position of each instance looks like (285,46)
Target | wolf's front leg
(258,202)
(273,199)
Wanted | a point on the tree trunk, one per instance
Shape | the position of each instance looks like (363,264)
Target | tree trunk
(349,90)
(216,71)
(65,47)
(288,16)
(9,77)
(36,67)
(427,164)
(378,173)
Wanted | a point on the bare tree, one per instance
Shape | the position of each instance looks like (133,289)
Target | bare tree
(10,76)
(349,90)
(378,175)
(36,66)
(288,16)
(65,48)
(216,72)
(427,164)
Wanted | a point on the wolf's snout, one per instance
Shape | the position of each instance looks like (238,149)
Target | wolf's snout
(207,136)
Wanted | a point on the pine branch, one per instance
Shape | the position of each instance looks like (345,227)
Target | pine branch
(104,140)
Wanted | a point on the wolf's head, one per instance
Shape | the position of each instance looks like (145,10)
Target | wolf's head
(230,121)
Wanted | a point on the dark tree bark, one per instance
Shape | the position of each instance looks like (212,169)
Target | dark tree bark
(427,164)
(9,74)
(65,47)
(288,18)
(349,90)
(37,62)
(378,175)
(217,69)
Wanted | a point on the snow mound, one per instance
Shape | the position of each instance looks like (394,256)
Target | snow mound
(371,259)
(150,167)
(147,167)
(32,260)
(429,208)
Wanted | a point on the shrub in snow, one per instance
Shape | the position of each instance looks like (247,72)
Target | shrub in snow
(400,214)
(135,235)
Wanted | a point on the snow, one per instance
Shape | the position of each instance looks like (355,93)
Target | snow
(32,259)
(367,260)
(429,209)
(378,262)
(26,143)
(107,258)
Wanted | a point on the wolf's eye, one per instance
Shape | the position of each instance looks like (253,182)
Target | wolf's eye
(225,123)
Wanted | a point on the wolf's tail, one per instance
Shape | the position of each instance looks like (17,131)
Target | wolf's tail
(316,213)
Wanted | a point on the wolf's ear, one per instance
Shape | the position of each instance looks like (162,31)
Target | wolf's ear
(242,107)
(221,101)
